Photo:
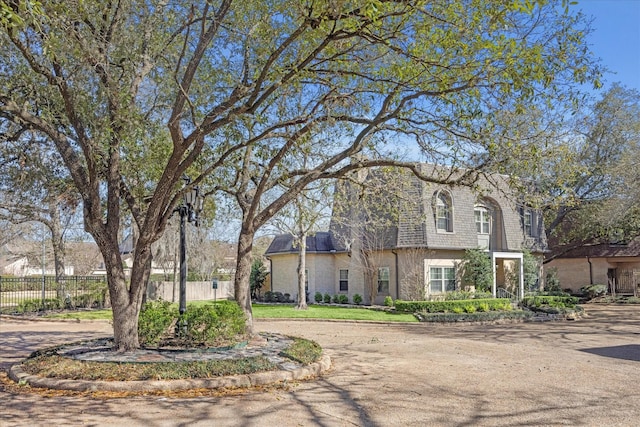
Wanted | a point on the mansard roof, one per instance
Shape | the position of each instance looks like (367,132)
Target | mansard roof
(413,201)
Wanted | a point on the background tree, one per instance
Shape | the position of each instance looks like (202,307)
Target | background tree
(257,278)
(598,202)
(366,210)
(35,188)
(133,94)
(301,218)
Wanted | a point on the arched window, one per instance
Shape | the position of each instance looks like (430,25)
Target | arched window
(443,212)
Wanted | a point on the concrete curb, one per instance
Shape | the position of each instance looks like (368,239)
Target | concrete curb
(236,381)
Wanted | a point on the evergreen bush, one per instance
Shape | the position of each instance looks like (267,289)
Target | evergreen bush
(318,297)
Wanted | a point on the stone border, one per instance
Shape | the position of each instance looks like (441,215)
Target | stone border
(236,381)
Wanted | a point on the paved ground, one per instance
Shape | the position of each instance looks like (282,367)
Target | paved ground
(562,373)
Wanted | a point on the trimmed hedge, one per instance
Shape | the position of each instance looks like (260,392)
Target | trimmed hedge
(494,304)
(550,300)
(491,316)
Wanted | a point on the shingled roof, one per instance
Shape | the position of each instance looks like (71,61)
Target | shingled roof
(321,241)
(605,250)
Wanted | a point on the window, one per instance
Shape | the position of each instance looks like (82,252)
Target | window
(528,229)
(483,219)
(442,279)
(383,280)
(528,217)
(443,212)
(306,280)
(344,280)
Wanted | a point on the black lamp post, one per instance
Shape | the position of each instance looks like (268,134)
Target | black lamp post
(191,206)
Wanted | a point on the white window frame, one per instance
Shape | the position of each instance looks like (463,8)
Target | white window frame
(446,283)
(482,218)
(444,213)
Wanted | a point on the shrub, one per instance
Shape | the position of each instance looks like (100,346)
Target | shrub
(35,304)
(318,297)
(552,282)
(156,317)
(357,299)
(90,299)
(474,317)
(388,301)
(343,299)
(336,299)
(457,295)
(470,308)
(484,307)
(286,298)
(549,301)
(457,309)
(213,324)
(327,298)
(267,296)
(495,304)
(593,291)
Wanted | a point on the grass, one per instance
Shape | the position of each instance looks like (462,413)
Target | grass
(54,366)
(280,311)
(48,363)
(284,311)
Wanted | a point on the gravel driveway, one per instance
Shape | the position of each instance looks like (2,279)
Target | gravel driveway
(585,372)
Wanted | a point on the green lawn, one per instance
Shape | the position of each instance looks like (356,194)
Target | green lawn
(261,311)
(328,312)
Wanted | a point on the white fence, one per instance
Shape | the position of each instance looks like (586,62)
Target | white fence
(196,291)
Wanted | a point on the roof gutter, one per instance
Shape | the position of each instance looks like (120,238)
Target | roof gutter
(394,252)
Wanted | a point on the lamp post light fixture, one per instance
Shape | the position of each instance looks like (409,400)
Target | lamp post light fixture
(189,210)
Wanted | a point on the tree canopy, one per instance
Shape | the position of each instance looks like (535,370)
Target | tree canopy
(131,95)
(599,199)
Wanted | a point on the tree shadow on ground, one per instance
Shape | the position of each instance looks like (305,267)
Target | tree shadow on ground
(626,352)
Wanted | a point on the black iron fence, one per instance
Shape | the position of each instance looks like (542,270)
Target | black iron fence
(24,294)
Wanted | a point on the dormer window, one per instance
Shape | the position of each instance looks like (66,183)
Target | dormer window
(444,222)
(483,219)
(529,221)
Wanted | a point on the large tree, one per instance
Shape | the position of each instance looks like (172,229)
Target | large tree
(132,94)
(599,200)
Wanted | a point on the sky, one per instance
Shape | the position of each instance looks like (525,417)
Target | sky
(616,38)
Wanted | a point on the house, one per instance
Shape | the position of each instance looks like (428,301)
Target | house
(392,234)
(615,264)
(23,258)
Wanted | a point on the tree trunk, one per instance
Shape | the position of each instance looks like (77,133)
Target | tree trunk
(241,285)
(302,276)
(126,301)
(57,242)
